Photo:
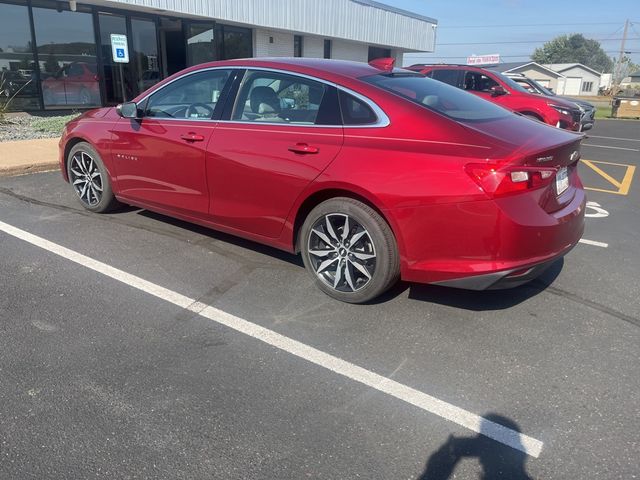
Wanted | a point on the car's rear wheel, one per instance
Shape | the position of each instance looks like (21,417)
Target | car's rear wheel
(89,179)
(349,250)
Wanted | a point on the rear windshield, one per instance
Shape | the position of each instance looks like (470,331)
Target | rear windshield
(434,95)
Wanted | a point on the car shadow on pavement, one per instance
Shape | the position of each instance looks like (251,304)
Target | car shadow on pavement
(498,461)
(225,237)
(486,299)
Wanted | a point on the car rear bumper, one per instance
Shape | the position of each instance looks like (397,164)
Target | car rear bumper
(491,244)
(501,280)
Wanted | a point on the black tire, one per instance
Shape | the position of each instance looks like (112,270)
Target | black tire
(349,283)
(84,163)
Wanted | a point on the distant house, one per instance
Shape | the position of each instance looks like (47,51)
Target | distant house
(543,75)
(579,79)
(631,79)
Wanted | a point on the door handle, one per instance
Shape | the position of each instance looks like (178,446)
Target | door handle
(192,137)
(303,149)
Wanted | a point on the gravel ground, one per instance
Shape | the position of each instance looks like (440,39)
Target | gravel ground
(25,126)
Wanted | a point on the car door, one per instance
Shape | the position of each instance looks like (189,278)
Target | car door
(160,159)
(282,132)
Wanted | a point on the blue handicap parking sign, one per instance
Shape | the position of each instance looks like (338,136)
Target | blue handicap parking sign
(120,52)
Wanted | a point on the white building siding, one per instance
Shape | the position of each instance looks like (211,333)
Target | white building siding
(348,19)
(356,52)
(282,45)
(585,76)
(313,47)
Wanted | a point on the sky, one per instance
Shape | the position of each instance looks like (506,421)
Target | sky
(475,24)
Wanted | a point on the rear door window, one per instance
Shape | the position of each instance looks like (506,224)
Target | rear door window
(273,97)
(446,75)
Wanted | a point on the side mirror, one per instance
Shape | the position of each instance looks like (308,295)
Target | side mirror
(497,90)
(129,110)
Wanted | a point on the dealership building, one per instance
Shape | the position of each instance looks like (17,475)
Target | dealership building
(71,54)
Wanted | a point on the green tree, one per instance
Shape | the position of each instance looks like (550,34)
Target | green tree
(574,48)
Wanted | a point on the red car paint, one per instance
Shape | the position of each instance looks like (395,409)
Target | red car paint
(419,172)
(515,98)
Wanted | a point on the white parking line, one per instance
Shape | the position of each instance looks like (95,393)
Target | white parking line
(594,243)
(614,138)
(471,421)
(613,148)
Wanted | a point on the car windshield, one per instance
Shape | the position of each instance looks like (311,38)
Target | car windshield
(544,90)
(434,95)
(511,83)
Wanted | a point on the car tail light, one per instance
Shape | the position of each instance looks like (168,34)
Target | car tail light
(499,180)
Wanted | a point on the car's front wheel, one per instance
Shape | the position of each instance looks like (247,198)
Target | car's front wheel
(89,179)
(350,250)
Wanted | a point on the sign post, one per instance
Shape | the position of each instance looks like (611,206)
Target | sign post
(120,55)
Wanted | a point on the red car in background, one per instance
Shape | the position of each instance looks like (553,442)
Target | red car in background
(371,173)
(74,84)
(501,89)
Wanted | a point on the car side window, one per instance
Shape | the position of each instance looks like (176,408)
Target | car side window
(478,82)
(446,76)
(355,111)
(274,97)
(193,97)
(75,70)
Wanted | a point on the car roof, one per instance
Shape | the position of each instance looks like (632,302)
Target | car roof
(318,67)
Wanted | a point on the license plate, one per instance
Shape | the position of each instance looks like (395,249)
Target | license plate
(562,180)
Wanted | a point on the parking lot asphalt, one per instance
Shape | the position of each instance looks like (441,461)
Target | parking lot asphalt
(100,379)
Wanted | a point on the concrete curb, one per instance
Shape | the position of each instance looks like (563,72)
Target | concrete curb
(28,156)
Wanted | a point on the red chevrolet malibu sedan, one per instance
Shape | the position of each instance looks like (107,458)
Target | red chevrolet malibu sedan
(372,173)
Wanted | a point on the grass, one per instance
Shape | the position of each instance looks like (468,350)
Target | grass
(52,124)
(603,113)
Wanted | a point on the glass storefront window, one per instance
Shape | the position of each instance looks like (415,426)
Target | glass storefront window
(17,65)
(237,42)
(118,78)
(67,57)
(145,53)
(200,43)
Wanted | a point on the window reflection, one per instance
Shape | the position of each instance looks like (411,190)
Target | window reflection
(67,58)
(118,78)
(145,53)
(17,66)
(237,42)
(200,44)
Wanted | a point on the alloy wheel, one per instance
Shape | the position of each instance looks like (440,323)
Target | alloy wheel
(341,252)
(86,178)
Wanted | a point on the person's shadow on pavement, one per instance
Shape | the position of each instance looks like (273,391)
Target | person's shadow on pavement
(498,461)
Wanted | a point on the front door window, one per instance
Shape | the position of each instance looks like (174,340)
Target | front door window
(193,97)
